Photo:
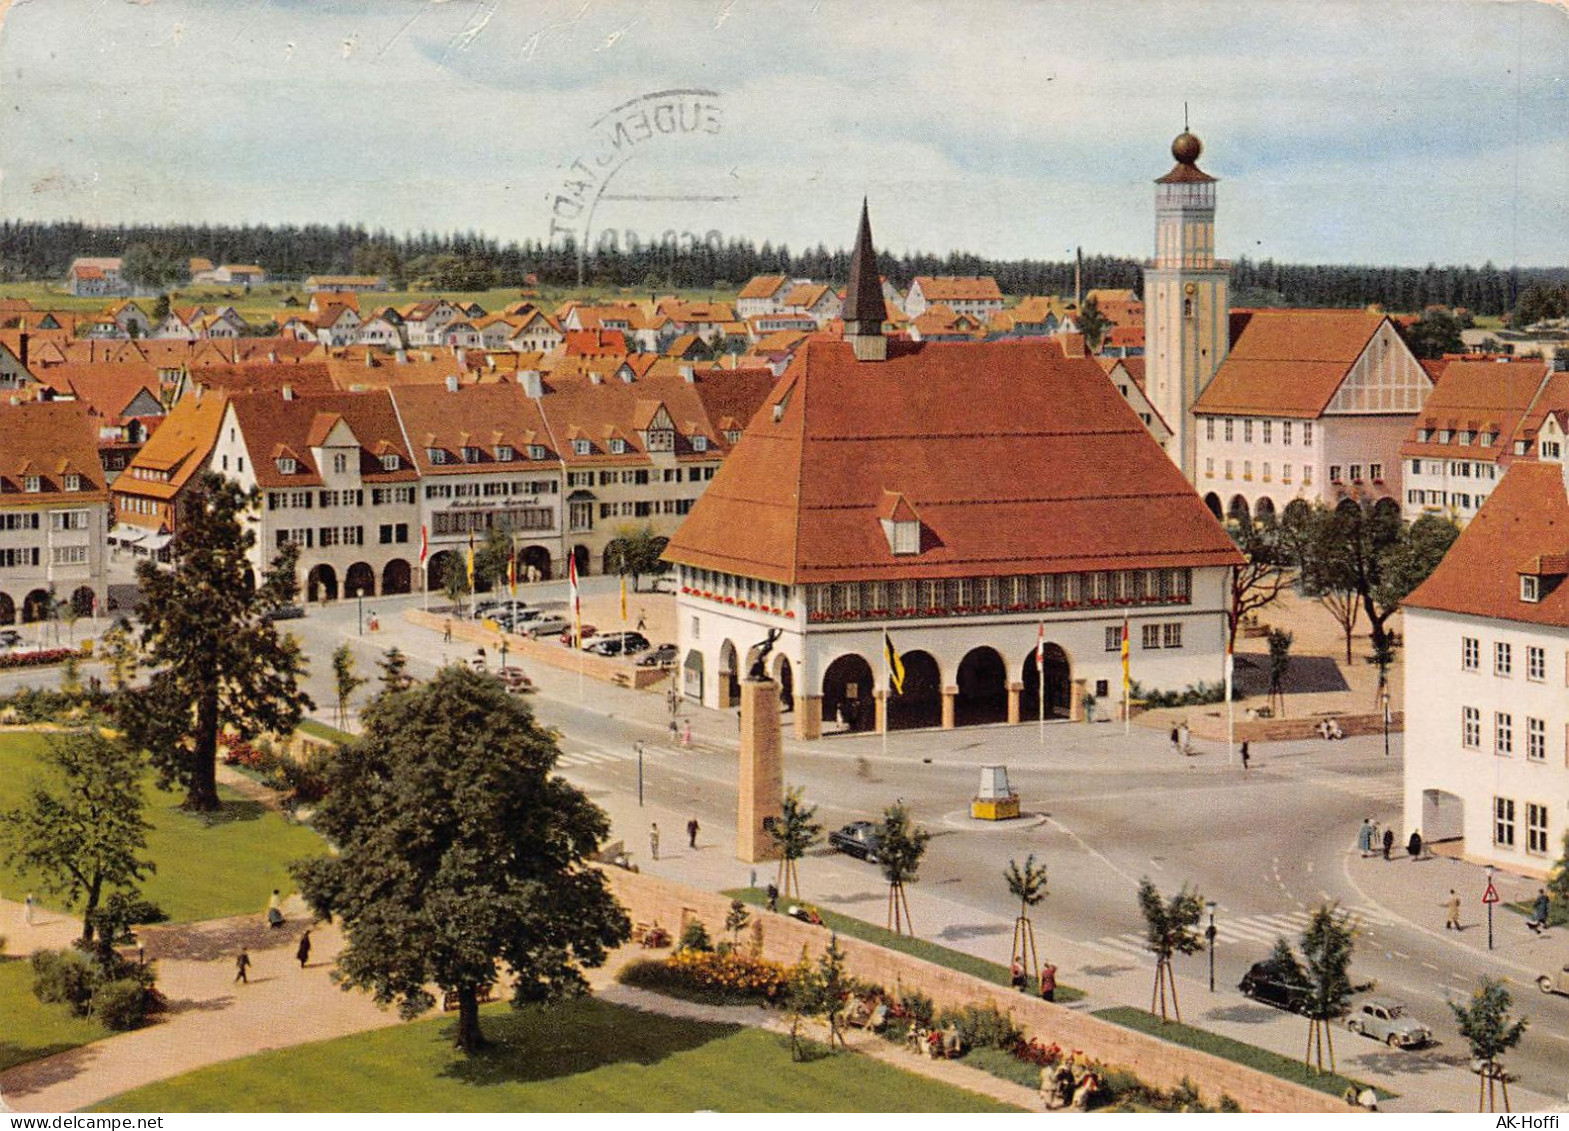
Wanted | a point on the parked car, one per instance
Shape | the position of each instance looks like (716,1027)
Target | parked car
(548,626)
(516,681)
(1554,983)
(1275,985)
(604,646)
(284,612)
(585,632)
(659,657)
(1385,1019)
(858,838)
(10,638)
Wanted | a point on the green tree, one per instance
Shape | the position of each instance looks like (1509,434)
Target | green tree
(459,853)
(455,577)
(1279,664)
(1434,334)
(156,266)
(1558,881)
(1093,324)
(1028,886)
(736,920)
(1327,944)
(900,845)
(394,667)
(636,551)
(118,649)
(1171,927)
(82,828)
(160,307)
(344,679)
(215,656)
(1486,1025)
(1264,575)
(490,558)
(818,990)
(793,832)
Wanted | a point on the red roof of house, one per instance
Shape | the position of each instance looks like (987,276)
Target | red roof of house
(49,439)
(959,288)
(272,425)
(1477,397)
(1287,362)
(762,286)
(990,443)
(1526,516)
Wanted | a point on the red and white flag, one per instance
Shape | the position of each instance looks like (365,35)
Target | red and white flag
(577,604)
(424,544)
(1040,647)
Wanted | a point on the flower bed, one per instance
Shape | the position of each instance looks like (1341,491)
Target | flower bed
(38,658)
(720,977)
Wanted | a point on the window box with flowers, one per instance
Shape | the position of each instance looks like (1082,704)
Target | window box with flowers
(789,614)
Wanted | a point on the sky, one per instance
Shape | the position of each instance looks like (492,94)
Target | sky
(1362,131)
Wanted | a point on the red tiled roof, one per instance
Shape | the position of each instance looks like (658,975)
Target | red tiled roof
(800,497)
(274,427)
(479,416)
(959,288)
(1477,396)
(1526,515)
(762,286)
(49,439)
(1287,362)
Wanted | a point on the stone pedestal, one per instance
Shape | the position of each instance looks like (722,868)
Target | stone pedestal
(949,696)
(1015,692)
(808,717)
(761,777)
(882,710)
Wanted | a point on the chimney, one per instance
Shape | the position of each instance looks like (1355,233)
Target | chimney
(533,383)
(23,347)
(688,373)
(288,392)
(401,355)
(1078,276)
(452,383)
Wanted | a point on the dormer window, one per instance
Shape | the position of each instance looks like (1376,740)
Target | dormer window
(73,482)
(436,455)
(732,435)
(504,453)
(1489,439)
(1445,436)
(581,447)
(287,465)
(536,451)
(699,443)
(1521,447)
(1426,436)
(1466,437)
(390,462)
(1530,588)
(470,455)
(32,484)
(661,440)
(618,447)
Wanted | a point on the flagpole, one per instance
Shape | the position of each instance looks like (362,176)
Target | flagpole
(1127,683)
(1230,712)
(885,689)
(1040,672)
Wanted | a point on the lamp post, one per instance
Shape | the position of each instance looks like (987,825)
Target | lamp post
(1489,903)
(359,595)
(503,652)
(1209,933)
(639,746)
(1386,724)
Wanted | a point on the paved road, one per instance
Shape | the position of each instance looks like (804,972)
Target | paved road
(1103,810)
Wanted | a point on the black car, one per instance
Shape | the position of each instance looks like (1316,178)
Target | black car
(10,638)
(284,612)
(617,644)
(858,838)
(1275,985)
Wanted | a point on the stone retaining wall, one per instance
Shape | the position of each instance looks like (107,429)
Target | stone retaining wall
(604,668)
(650,900)
(1208,726)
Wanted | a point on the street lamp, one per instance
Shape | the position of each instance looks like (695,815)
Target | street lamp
(1489,903)
(1209,933)
(1386,724)
(359,595)
(503,652)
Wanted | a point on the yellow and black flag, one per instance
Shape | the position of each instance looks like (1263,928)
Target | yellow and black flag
(894,665)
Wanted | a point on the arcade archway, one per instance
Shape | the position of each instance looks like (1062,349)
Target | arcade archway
(983,689)
(1058,686)
(847,693)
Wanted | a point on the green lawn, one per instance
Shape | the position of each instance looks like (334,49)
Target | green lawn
(915,947)
(1273,1063)
(585,1055)
(208,866)
(321,730)
(32,1030)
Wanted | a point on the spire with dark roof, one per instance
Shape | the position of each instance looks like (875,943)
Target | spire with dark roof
(864,310)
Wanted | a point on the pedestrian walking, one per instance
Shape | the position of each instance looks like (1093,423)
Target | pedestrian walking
(1244,755)
(773,897)
(275,910)
(1365,837)
(242,963)
(1176,741)
(653,841)
(31,903)
(675,733)
(1453,922)
(1048,982)
(1182,738)
(446,632)
(1414,845)
(1016,976)
(691,833)
(642,620)
(686,733)
(1539,910)
(1389,842)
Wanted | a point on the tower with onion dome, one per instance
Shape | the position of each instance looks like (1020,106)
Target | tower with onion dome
(1187,306)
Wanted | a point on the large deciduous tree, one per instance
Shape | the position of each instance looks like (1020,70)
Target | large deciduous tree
(81,828)
(1264,576)
(215,656)
(460,853)
(1434,334)
(635,552)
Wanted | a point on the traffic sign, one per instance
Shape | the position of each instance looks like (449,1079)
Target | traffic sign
(1491,894)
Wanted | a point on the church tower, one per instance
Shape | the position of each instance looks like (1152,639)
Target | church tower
(1187,305)
(864,310)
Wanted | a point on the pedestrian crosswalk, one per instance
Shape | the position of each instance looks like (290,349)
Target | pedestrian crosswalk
(580,755)
(1389,790)
(1250,930)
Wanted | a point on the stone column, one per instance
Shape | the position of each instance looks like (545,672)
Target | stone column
(808,717)
(761,777)
(722,698)
(1076,708)
(1015,691)
(882,710)
(949,694)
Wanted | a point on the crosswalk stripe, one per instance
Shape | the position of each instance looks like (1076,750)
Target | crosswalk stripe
(1129,945)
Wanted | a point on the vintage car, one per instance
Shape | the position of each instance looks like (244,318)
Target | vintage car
(858,838)
(1385,1019)
(1554,983)
(1274,985)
